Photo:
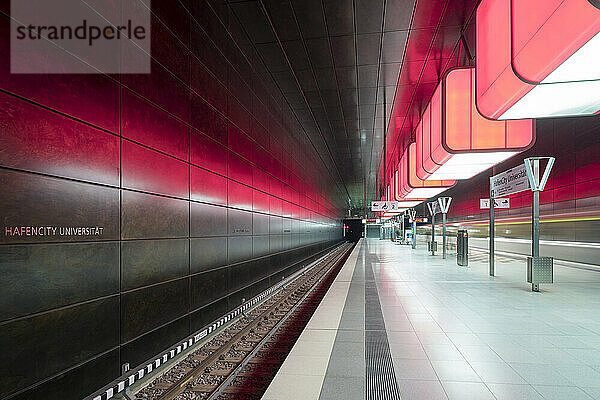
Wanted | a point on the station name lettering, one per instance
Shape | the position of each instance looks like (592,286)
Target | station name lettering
(506,179)
(28,231)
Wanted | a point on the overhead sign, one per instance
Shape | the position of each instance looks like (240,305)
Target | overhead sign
(384,206)
(503,202)
(510,181)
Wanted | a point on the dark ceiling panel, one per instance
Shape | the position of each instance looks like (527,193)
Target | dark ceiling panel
(325,78)
(346,77)
(389,74)
(368,46)
(369,14)
(366,95)
(393,46)
(344,54)
(251,16)
(340,17)
(273,56)
(398,14)
(367,75)
(283,19)
(296,54)
(319,52)
(310,18)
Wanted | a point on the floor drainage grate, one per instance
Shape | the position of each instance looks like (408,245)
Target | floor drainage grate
(381,381)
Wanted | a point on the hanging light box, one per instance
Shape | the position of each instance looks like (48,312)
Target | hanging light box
(409,186)
(538,58)
(455,142)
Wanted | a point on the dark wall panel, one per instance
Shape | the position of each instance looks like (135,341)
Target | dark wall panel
(40,201)
(239,222)
(239,249)
(143,348)
(145,309)
(145,262)
(207,253)
(149,216)
(208,220)
(36,278)
(61,338)
(79,380)
(203,316)
(208,287)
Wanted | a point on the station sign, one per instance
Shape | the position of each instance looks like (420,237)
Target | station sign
(385,206)
(503,202)
(511,181)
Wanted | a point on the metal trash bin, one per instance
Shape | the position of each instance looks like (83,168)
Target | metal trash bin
(462,248)
(432,246)
(540,270)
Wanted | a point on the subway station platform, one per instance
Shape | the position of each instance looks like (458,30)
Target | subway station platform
(398,323)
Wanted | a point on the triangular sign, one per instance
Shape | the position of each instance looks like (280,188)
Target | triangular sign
(444,203)
(532,167)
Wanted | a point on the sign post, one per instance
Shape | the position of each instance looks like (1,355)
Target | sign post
(413,214)
(403,234)
(432,211)
(539,269)
(444,203)
(492,229)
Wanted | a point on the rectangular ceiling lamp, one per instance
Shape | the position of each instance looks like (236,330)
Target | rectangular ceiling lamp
(409,186)
(455,142)
(538,58)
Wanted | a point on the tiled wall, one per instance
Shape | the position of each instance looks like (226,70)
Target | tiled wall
(572,194)
(205,189)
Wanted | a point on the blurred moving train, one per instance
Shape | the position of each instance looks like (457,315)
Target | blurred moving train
(573,237)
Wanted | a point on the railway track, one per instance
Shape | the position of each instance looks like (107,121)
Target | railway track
(239,362)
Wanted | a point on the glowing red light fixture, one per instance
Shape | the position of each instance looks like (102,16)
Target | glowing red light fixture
(455,142)
(409,186)
(538,58)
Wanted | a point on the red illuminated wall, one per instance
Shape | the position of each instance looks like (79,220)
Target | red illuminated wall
(205,188)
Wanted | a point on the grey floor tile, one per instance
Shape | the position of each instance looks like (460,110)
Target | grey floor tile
(459,371)
(443,352)
(580,375)
(352,336)
(496,372)
(479,353)
(562,393)
(467,391)
(414,369)
(421,390)
(410,351)
(505,391)
(336,388)
(594,392)
(346,367)
(540,374)
(403,337)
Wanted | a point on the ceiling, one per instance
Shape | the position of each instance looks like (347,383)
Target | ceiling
(346,66)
